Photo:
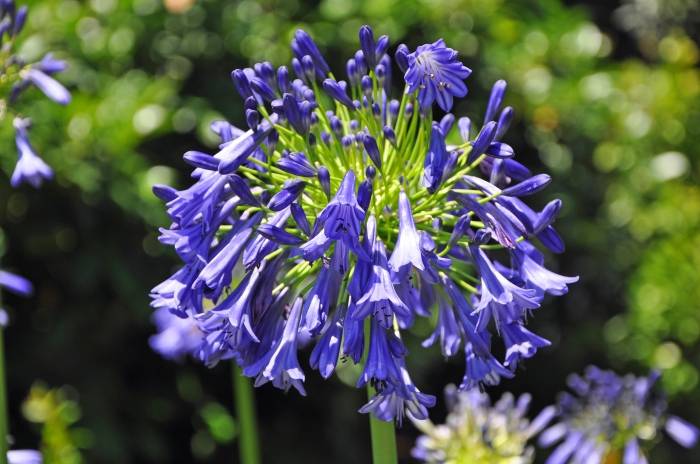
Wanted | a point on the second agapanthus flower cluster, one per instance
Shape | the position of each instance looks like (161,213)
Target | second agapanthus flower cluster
(610,418)
(341,215)
(478,432)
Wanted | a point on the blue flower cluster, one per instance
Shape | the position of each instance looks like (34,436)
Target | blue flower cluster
(340,215)
(607,416)
(30,168)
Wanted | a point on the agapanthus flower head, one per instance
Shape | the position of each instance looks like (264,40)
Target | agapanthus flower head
(477,431)
(30,168)
(610,418)
(342,215)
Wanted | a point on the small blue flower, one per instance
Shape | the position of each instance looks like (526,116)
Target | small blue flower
(436,73)
(342,217)
(407,250)
(353,337)
(217,273)
(280,365)
(29,168)
(18,76)
(235,311)
(177,293)
(240,187)
(392,402)
(380,299)
(384,349)
(177,337)
(325,354)
(496,288)
(530,263)
(261,246)
(446,330)
(520,343)
(321,299)
(50,65)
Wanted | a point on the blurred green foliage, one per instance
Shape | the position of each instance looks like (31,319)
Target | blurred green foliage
(607,97)
(57,414)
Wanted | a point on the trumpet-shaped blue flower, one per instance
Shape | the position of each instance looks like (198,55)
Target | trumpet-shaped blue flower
(342,217)
(520,343)
(407,250)
(446,330)
(496,288)
(380,299)
(436,73)
(29,168)
(325,354)
(48,85)
(280,364)
(529,261)
(321,299)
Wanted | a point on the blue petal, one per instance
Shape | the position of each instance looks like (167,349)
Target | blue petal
(49,86)
(684,433)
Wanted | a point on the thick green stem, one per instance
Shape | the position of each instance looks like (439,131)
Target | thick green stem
(248,444)
(3,403)
(381,433)
(383,438)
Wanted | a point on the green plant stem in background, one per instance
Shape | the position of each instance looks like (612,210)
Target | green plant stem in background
(383,438)
(382,433)
(248,443)
(3,402)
